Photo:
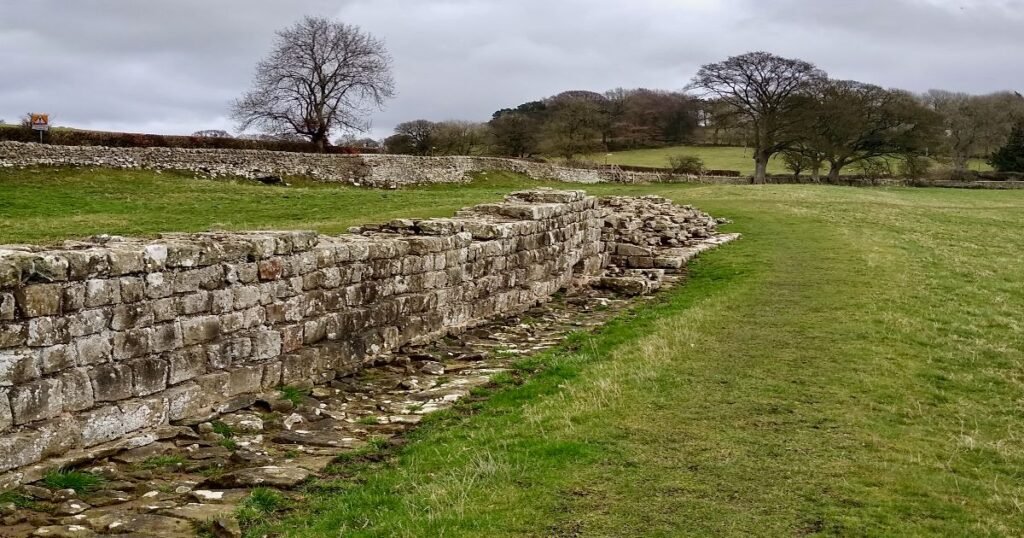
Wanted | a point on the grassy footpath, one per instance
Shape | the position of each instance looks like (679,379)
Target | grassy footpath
(852,367)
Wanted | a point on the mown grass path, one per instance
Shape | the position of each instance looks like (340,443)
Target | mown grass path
(852,367)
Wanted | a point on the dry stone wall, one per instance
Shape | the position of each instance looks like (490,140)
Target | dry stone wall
(386,171)
(104,342)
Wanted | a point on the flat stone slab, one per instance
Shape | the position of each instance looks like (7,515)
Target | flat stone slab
(270,476)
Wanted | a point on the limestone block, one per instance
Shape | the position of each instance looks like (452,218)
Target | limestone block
(77,389)
(94,349)
(7,306)
(56,358)
(148,376)
(199,302)
(159,285)
(131,316)
(132,343)
(49,331)
(102,292)
(111,382)
(38,300)
(185,364)
(201,329)
(133,289)
(74,297)
(38,400)
(13,335)
(85,264)
(126,261)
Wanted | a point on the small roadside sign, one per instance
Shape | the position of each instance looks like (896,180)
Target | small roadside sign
(40,122)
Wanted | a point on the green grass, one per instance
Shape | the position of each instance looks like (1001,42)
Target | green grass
(80,481)
(294,395)
(43,205)
(852,367)
(715,158)
(259,506)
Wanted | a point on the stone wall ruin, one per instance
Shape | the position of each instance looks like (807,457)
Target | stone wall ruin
(105,342)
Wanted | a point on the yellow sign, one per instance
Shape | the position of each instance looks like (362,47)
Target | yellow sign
(40,122)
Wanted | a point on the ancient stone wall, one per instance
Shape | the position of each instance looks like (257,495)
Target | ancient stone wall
(103,342)
(386,171)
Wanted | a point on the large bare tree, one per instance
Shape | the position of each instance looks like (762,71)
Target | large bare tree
(322,76)
(762,87)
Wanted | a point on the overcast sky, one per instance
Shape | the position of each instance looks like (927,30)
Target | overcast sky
(173,66)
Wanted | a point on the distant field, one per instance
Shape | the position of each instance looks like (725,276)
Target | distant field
(715,158)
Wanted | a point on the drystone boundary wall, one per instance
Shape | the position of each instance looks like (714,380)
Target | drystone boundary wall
(105,342)
(385,171)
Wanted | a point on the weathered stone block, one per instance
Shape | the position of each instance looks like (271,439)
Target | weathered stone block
(132,343)
(77,389)
(56,358)
(13,334)
(272,269)
(38,400)
(83,264)
(184,401)
(89,322)
(193,303)
(124,262)
(133,289)
(199,330)
(49,438)
(166,337)
(48,331)
(7,306)
(101,425)
(159,285)
(245,379)
(222,301)
(131,316)
(6,419)
(268,345)
(111,382)
(40,300)
(94,349)
(74,297)
(185,364)
(102,292)
(148,376)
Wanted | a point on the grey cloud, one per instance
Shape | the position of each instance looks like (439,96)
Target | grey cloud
(174,66)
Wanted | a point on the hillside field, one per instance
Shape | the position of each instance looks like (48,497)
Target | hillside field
(715,158)
(854,366)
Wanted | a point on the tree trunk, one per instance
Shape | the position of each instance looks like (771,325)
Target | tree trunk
(833,173)
(761,166)
(320,141)
(816,173)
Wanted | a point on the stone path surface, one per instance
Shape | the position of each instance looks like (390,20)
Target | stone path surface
(196,476)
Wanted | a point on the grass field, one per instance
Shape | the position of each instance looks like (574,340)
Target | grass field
(715,158)
(854,366)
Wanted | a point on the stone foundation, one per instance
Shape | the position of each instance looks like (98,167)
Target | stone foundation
(104,342)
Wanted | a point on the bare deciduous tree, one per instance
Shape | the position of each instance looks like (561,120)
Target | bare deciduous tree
(761,86)
(322,76)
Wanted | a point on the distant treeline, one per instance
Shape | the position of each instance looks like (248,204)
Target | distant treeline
(199,140)
(774,105)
